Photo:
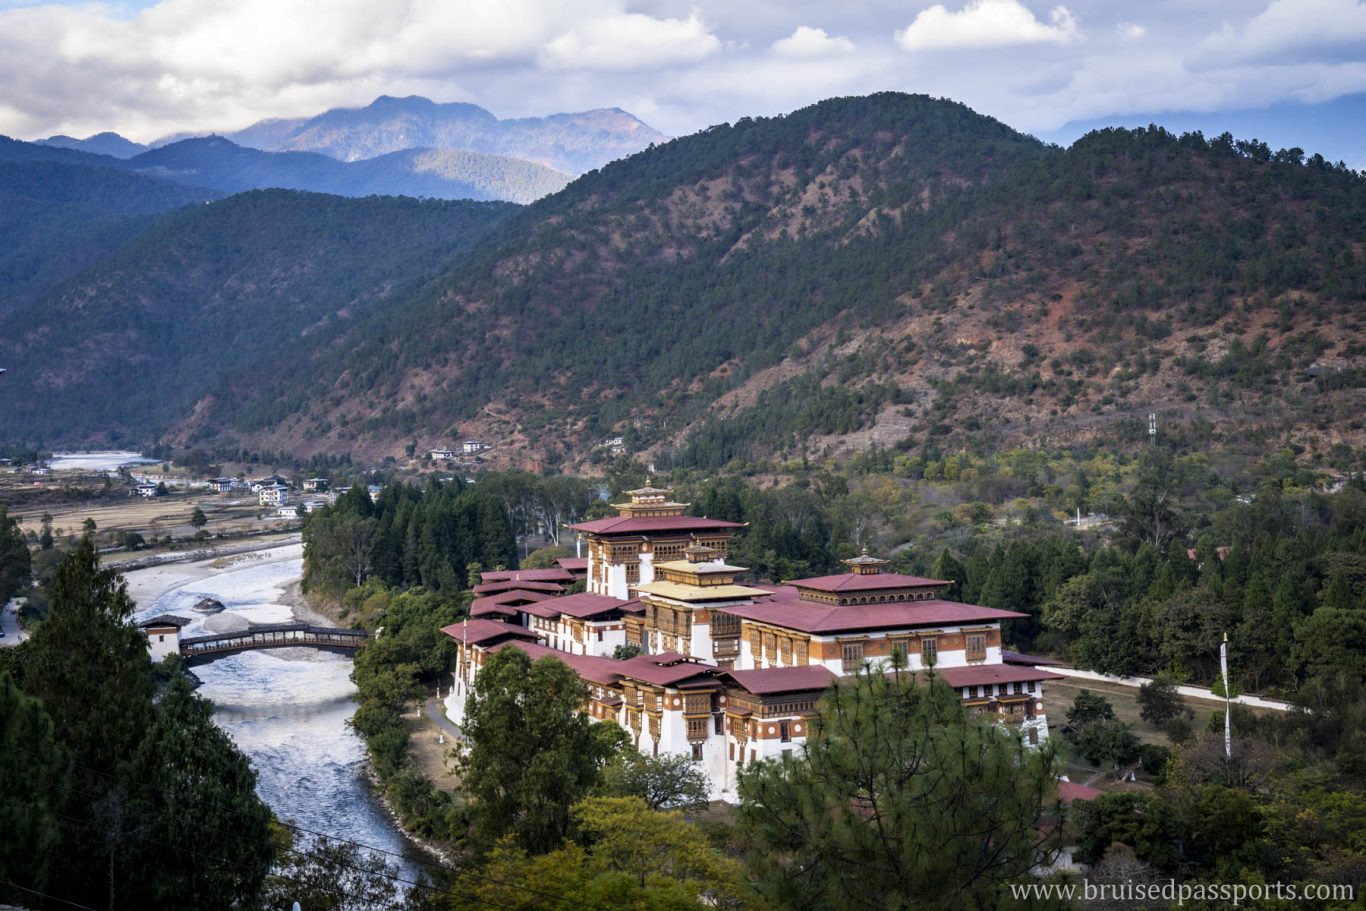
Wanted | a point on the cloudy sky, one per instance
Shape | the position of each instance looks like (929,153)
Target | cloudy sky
(147,69)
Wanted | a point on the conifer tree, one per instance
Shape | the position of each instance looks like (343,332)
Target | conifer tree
(899,800)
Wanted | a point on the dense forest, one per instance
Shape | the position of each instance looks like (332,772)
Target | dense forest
(57,218)
(432,536)
(124,349)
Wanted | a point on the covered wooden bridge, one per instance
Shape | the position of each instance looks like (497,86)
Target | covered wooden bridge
(199,649)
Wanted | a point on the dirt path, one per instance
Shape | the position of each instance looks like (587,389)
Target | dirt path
(431,738)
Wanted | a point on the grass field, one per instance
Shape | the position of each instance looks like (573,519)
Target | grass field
(114,514)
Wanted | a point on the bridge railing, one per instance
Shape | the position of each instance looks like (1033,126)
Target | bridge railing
(273,634)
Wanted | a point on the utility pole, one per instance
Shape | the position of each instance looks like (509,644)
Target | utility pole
(1228,700)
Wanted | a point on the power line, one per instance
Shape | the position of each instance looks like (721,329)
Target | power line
(44,894)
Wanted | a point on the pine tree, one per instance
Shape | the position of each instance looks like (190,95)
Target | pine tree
(898,800)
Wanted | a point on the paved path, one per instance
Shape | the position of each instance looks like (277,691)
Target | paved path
(437,713)
(1194,692)
(9,623)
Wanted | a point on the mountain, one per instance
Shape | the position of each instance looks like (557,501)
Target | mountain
(223,166)
(571,143)
(226,166)
(125,348)
(56,218)
(111,144)
(890,269)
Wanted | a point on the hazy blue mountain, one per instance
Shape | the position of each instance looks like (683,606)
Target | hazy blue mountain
(111,144)
(231,168)
(573,143)
(18,150)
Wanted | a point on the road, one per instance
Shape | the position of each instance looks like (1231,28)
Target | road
(9,623)
(437,713)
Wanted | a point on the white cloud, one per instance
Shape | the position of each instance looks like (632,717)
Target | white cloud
(151,67)
(986,23)
(1298,30)
(808,43)
(631,41)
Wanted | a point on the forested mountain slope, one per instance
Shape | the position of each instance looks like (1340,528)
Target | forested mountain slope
(56,218)
(124,349)
(889,268)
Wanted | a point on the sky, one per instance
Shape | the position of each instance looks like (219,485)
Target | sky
(1278,69)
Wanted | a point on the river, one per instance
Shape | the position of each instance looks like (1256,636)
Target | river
(100,460)
(286,709)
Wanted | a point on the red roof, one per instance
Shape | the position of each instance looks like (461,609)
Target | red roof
(547,609)
(784,679)
(573,565)
(481,630)
(493,610)
(993,673)
(587,667)
(634,525)
(1069,791)
(510,598)
(586,605)
(549,574)
(661,671)
(810,617)
(862,582)
(503,585)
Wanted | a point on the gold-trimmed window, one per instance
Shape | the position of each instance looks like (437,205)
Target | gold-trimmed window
(852,655)
(976,646)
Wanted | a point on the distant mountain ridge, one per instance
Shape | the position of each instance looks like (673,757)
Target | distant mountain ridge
(570,142)
(219,164)
(439,174)
(106,143)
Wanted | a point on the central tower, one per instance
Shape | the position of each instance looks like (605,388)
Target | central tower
(650,527)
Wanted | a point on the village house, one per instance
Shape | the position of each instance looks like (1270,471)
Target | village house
(146,489)
(315,485)
(222,485)
(441,455)
(726,672)
(473,447)
(274,495)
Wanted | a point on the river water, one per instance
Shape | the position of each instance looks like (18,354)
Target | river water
(100,460)
(286,708)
